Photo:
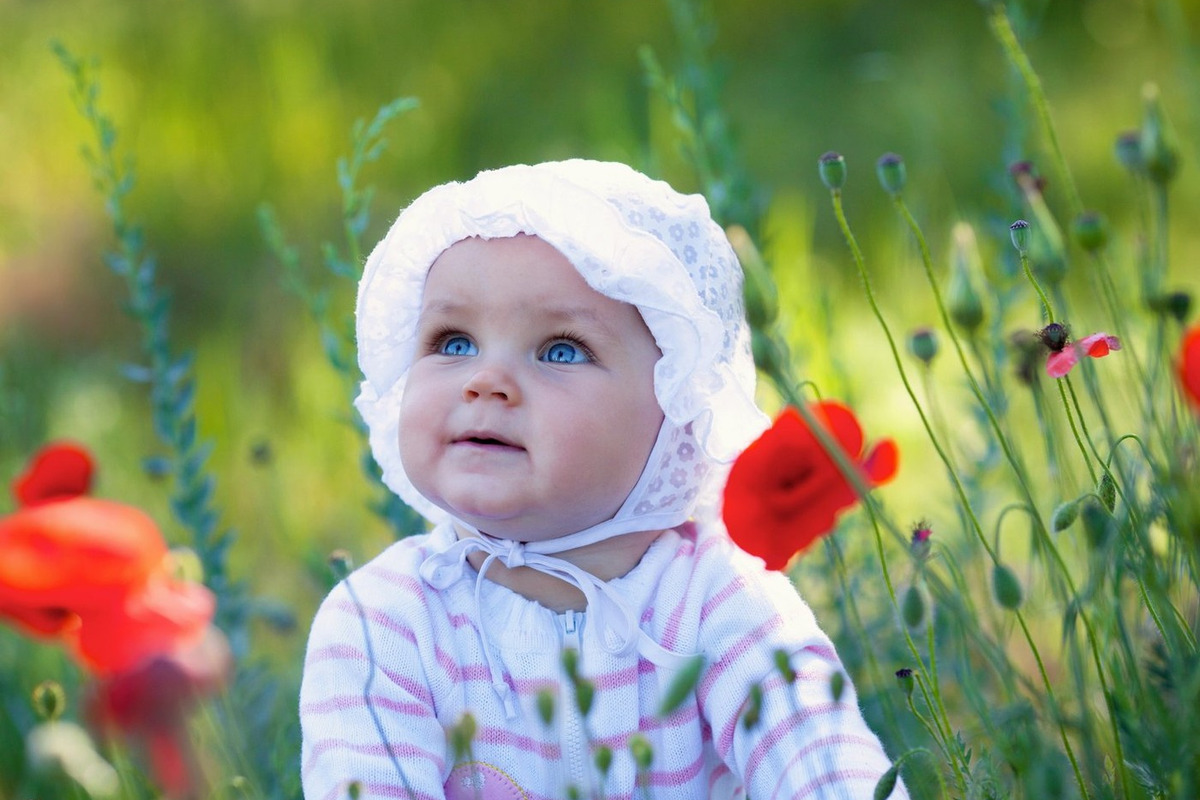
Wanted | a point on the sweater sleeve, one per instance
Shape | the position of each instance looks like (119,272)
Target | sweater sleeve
(366,712)
(804,743)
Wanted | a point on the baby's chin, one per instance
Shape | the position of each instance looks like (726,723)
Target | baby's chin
(520,530)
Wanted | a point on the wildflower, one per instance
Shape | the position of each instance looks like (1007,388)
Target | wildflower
(1189,365)
(784,491)
(920,545)
(57,471)
(890,169)
(832,167)
(1064,353)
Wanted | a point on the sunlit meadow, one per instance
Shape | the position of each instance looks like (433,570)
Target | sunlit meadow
(1018,607)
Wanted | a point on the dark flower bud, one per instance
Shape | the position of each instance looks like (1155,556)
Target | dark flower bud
(905,678)
(890,169)
(1177,305)
(342,563)
(1019,231)
(1129,151)
(1005,587)
(1027,354)
(923,344)
(833,171)
(1090,231)
(920,545)
(837,685)
(1054,337)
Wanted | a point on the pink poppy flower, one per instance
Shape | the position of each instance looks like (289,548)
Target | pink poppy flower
(1098,345)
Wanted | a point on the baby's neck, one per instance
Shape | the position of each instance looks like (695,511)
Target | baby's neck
(606,560)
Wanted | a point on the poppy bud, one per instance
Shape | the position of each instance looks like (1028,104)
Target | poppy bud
(1107,490)
(585,695)
(1064,516)
(643,753)
(783,663)
(837,685)
(912,607)
(545,706)
(1097,522)
(887,783)
(604,757)
(1005,587)
(1027,353)
(49,700)
(342,563)
(462,734)
(890,169)
(1090,230)
(682,686)
(1177,305)
(570,662)
(905,678)
(1019,231)
(1129,151)
(354,790)
(573,792)
(920,545)
(833,171)
(1160,155)
(753,713)
(962,300)
(923,344)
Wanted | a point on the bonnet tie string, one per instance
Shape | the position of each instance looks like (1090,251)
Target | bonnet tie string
(614,621)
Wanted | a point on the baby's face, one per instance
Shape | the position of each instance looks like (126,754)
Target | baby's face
(529,410)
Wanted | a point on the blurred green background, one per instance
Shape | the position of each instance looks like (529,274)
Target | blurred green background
(228,104)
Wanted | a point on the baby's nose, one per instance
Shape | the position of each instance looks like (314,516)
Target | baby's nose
(491,381)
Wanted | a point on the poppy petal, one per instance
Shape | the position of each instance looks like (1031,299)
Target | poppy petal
(1098,345)
(882,462)
(841,422)
(1189,365)
(1062,362)
(58,471)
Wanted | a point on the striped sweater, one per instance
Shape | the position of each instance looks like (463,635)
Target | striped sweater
(393,664)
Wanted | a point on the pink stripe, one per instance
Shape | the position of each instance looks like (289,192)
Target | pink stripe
(527,744)
(729,590)
(396,790)
(838,778)
(400,580)
(784,732)
(377,618)
(683,718)
(732,655)
(334,652)
(827,741)
(400,750)
(678,777)
(353,702)
(622,677)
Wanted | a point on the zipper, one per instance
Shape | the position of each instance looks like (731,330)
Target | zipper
(572,732)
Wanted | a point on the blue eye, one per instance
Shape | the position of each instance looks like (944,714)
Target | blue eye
(565,353)
(457,346)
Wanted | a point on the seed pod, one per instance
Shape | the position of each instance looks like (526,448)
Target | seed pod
(962,299)
(1006,587)
(753,713)
(837,685)
(585,695)
(1019,231)
(887,783)
(1160,155)
(1090,230)
(905,678)
(1107,490)
(570,662)
(682,686)
(342,563)
(462,734)
(783,663)
(912,607)
(643,753)
(1064,516)
(49,700)
(890,169)
(354,790)
(923,344)
(832,167)
(604,758)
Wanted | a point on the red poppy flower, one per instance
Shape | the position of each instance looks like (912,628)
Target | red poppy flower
(57,471)
(1189,365)
(784,491)
(1098,345)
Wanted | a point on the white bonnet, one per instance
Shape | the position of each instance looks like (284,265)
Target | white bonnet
(633,239)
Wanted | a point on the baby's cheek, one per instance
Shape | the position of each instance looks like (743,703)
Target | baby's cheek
(478,781)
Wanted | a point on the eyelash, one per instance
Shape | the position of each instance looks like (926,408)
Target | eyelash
(435,340)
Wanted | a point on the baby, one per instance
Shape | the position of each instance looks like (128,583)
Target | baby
(558,374)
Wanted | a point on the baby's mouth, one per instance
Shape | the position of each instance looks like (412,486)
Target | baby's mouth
(487,440)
